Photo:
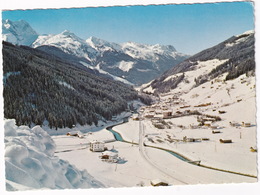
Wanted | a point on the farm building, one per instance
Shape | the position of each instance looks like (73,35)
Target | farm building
(97,146)
(109,156)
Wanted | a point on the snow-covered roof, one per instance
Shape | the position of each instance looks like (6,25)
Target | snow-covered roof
(97,142)
(109,153)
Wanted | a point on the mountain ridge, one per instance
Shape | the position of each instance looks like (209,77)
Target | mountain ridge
(134,62)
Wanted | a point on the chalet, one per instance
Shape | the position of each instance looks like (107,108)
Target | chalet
(75,133)
(214,131)
(135,117)
(253,149)
(206,123)
(194,126)
(142,109)
(186,139)
(155,120)
(97,146)
(246,124)
(214,127)
(155,106)
(109,156)
(158,182)
(72,133)
(225,141)
(167,114)
(164,107)
(114,118)
(149,115)
(158,111)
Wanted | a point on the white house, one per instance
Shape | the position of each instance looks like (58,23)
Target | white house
(97,146)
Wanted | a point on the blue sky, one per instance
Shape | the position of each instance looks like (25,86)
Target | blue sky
(190,28)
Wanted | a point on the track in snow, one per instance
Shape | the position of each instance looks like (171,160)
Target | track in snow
(143,154)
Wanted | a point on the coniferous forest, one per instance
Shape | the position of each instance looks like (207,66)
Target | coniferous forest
(40,87)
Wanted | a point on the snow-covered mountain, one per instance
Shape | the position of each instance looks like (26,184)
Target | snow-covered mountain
(228,60)
(148,52)
(69,43)
(136,63)
(18,32)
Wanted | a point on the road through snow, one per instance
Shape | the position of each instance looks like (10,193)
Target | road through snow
(144,155)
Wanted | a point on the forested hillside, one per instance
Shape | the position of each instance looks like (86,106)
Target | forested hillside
(39,86)
(238,51)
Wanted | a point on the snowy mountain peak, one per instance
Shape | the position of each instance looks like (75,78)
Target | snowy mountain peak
(102,45)
(67,32)
(18,32)
(145,51)
(249,32)
(94,40)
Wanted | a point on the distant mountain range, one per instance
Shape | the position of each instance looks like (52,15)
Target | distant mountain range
(129,62)
(231,58)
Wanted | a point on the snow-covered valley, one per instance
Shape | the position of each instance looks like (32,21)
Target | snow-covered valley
(235,162)
(197,119)
(200,128)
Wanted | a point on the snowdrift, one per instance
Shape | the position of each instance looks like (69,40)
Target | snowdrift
(30,162)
